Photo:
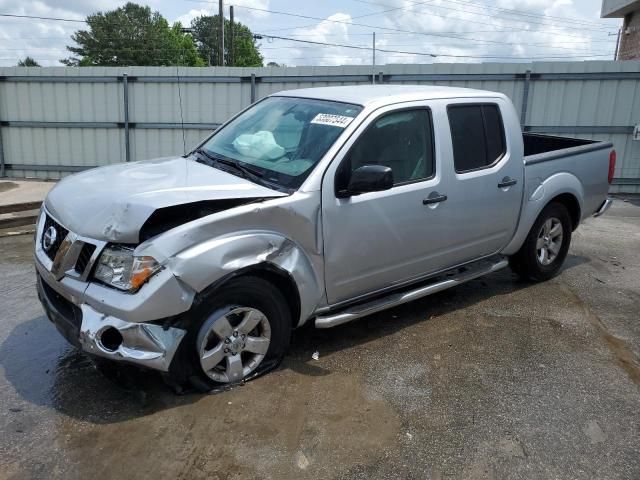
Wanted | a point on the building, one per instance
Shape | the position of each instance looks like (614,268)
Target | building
(629,43)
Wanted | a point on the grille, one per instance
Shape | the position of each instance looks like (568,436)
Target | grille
(84,257)
(61,234)
(70,312)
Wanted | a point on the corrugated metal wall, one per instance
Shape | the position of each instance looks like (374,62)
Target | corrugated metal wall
(58,120)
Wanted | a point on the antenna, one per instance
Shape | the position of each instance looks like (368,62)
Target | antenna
(373,61)
(184,143)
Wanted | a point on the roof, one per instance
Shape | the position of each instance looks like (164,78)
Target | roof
(618,8)
(385,94)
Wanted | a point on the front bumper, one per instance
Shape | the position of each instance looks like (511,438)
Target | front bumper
(84,312)
(145,344)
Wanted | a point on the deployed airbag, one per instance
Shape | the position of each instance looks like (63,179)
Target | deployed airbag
(260,145)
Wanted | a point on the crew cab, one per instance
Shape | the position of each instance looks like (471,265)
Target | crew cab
(317,205)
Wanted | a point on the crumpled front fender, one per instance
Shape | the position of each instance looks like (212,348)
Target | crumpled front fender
(206,263)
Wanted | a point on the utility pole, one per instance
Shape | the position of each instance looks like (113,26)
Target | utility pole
(231,58)
(373,69)
(221,44)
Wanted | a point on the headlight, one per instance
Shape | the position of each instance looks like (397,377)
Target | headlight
(119,268)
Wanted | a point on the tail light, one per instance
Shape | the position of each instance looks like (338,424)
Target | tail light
(612,165)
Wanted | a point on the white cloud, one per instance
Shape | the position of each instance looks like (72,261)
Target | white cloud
(185,19)
(465,31)
(326,31)
(483,29)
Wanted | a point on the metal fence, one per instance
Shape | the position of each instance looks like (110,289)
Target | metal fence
(59,120)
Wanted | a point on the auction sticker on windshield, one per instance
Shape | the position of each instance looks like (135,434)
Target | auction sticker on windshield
(333,120)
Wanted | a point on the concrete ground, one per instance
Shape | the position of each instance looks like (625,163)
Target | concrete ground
(19,205)
(23,191)
(494,379)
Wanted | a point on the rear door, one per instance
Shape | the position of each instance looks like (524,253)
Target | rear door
(486,177)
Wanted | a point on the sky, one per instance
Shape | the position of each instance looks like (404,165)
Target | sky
(407,31)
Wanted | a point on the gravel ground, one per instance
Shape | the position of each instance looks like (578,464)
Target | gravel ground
(494,379)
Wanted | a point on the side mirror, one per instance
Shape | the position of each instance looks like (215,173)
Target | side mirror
(369,178)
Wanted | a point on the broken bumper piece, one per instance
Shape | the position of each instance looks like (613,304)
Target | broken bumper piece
(145,344)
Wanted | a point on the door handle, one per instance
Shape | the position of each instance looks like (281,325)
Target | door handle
(507,182)
(435,197)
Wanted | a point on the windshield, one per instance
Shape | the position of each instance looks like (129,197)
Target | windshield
(282,138)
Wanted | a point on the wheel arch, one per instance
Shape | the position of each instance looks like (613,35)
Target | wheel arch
(271,273)
(267,255)
(572,205)
(564,188)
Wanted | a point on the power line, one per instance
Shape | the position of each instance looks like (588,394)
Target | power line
(426,54)
(585,52)
(498,42)
(433,55)
(513,11)
(42,18)
(550,27)
(315,18)
(411,34)
(579,24)
(359,47)
(342,35)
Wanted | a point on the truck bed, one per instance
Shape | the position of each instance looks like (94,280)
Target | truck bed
(583,164)
(535,144)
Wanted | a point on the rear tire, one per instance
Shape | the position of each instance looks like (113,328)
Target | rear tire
(237,332)
(546,246)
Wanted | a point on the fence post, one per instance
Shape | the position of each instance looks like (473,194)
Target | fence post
(125,85)
(1,148)
(525,99)
(253,88)
(1,155)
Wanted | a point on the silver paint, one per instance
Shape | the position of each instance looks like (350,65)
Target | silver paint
(112,203)
(479,269)
(334,250)
(162,296)
(142,343)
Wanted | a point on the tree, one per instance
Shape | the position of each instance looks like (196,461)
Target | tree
(131,35)
(205,31)
(28,62)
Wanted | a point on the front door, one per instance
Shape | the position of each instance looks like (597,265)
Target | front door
(380,239)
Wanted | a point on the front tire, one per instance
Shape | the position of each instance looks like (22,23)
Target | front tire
(546,246)
(237,331)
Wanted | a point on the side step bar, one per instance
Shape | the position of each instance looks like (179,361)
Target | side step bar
(441,282)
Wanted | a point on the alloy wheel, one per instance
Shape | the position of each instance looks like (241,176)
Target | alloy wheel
(232,343)
(549,241)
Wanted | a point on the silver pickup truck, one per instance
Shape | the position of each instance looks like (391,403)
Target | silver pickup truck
(317,205)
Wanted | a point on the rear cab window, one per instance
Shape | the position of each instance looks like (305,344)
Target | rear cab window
(477,136)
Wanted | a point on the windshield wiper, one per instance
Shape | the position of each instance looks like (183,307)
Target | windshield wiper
(242,168)
(206,154)
(245,171)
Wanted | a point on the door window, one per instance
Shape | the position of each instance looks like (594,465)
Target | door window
(402,141)
(477,134)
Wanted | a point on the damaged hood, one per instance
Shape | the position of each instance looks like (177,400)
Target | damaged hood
(112,203)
